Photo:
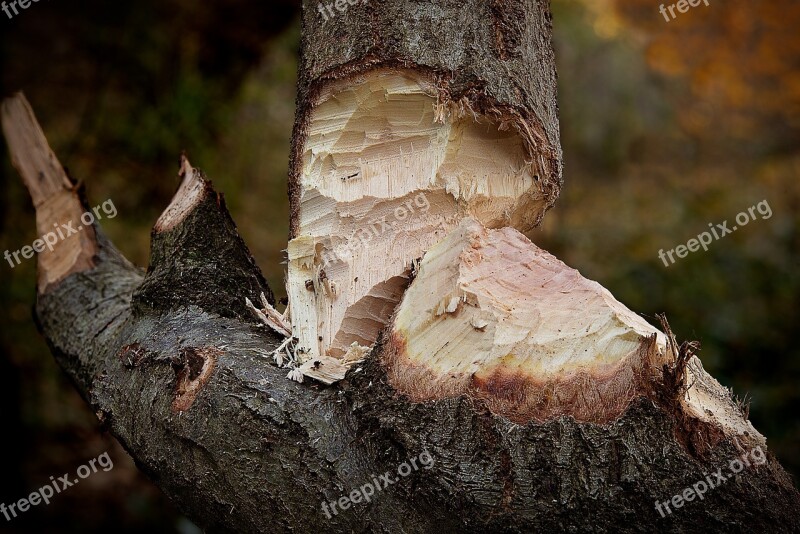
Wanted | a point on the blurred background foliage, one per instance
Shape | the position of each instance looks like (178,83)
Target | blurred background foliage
(666,127)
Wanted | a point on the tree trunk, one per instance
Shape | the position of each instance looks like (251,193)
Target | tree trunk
(564,411)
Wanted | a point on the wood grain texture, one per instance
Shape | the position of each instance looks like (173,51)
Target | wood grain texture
(492,316)
(56,198)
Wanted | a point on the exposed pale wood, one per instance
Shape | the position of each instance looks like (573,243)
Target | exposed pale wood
(189,194)
(324,369)
(491,315)
(388,170)
(54,195)
(302,284)
(270,317)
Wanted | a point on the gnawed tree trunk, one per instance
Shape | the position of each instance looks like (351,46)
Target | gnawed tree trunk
(409,119)
(543,402)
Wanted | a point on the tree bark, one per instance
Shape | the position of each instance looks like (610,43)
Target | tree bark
(179,369)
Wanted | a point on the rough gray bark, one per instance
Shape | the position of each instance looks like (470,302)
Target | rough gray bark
(173,364)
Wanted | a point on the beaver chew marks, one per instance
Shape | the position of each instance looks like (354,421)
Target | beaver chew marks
(388,170)
(493,316)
